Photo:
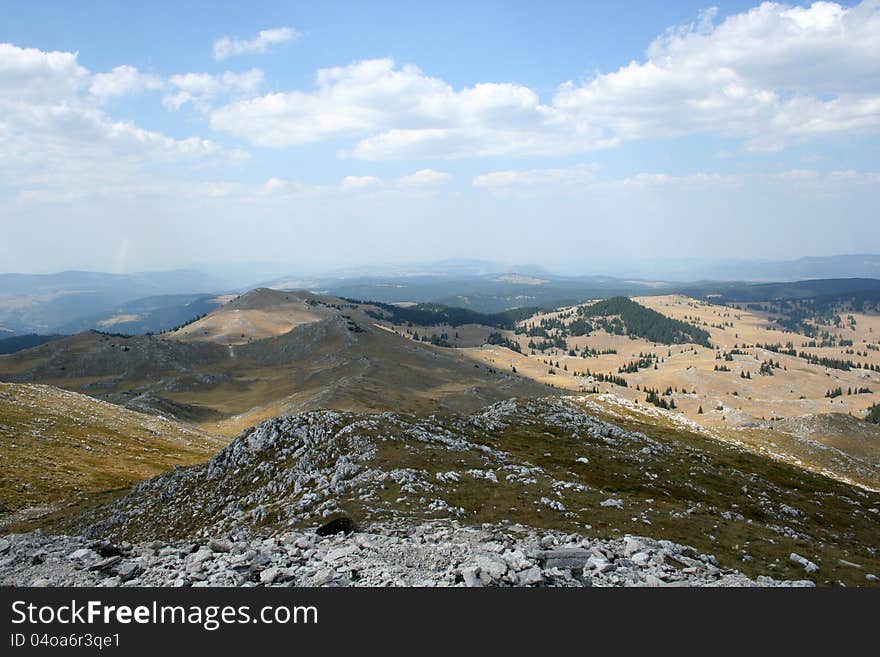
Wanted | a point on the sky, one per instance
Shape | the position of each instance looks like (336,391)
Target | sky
(331,135)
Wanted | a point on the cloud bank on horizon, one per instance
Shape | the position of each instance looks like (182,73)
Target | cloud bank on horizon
(748,132)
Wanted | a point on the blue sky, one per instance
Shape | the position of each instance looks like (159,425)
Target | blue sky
(565,134)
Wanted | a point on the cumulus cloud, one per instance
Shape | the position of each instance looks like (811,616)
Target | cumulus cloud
(201,89)
(55,135)
(405,113)
(773,75)
(226,47)
(28,74)
(123,81)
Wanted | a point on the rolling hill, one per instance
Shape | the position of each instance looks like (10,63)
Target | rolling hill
(60,447)
(263,354)
(415,412)
(15,343)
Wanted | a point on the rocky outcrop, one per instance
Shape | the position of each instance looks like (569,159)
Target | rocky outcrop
(558,483)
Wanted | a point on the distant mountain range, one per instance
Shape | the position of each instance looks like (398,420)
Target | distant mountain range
(67,302)
(840,266)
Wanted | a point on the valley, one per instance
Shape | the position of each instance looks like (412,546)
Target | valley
(716,426)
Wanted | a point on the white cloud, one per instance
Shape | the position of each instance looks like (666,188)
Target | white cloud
(282,187)
(360,182)
(425,178)
(28,74)
(201,89)
(122,81)
(869,177)
(404,113)
(663,179)
(113,186)
(531,182)
(420,181)
(55,138)
(832,177)
(795,175)
(583,176)
(497,181)
(770,76)
(226,47)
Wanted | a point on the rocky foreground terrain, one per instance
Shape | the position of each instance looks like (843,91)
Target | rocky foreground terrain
(525,492)
(440,553)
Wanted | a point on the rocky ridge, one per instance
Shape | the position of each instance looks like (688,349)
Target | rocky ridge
(528,469)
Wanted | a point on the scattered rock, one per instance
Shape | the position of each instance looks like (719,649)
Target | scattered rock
(641,559)
(631,545)
(127,571)
(530,577)
(491,568)
(471,577)
(83,555)
(808,565)
(105,564)
(269,575)
(599,564)
(570,558)
(433,553)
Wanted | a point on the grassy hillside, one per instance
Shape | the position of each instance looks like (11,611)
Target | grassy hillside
(57,446)
(19,342)
(303,352)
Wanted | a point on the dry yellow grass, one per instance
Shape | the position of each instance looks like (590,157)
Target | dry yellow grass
(58,446)
(118,319)
(797,388)
(348,364)
(777,415)
(261,314)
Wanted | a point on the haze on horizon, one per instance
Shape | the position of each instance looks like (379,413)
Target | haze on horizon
(152,138)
